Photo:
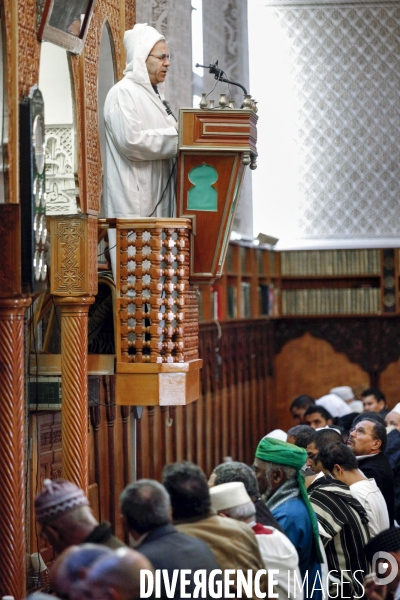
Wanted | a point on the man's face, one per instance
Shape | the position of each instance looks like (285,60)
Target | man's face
(265,478)
(312,454)
(371,404)
(362,439)
(259,467)
(298,414)
(157,68)
(393,418)
(211,481)
(55,538)
(316,420)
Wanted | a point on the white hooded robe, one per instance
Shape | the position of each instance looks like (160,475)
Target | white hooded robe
(141,138)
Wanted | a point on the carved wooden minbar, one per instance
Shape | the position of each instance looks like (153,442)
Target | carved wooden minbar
(157,314)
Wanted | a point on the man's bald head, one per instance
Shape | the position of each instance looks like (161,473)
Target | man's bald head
(116,576)
(68,571)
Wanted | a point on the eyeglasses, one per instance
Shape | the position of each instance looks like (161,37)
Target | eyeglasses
(361,430)
(312,455)
(162,57)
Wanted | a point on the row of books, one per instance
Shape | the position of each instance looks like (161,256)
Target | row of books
(343,301)
(331,262)
(267,301)
(232,304)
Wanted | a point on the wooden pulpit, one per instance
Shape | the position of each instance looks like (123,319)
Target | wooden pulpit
(215,146)
(160,262)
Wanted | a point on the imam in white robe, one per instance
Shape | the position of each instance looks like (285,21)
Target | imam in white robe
(141,138)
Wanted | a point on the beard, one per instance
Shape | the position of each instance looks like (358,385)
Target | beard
(268,491)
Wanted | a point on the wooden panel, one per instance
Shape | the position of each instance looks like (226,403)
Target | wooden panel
(163,385)
(108,458)
(132,389)
(233,397)
(217,129)
(211,229)
(390,383)
(12,96)
(10,265)
(309,365)
(73,255)
(45,435)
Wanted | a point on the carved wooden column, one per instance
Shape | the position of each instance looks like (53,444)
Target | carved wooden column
(74,373)
(73,281)
(12,436)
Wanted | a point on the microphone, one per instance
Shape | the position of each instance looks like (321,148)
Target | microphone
(220,75)
(168,109)
(213,69)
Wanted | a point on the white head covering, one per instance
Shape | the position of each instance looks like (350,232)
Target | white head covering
(228,495)
(343,391)
(334,404)
(138,43)
(277,434)
(356,406)
(396,408)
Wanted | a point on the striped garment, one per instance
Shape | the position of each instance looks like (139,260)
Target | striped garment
(346,522)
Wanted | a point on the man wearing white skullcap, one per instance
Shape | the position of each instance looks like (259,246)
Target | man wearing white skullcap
(141,134)
(334,404)
(277,434)
(346,393)
(232,500)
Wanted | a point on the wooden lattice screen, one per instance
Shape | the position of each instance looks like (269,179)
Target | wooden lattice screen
(157,313)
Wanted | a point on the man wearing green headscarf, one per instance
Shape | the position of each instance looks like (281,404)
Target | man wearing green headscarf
(277,466)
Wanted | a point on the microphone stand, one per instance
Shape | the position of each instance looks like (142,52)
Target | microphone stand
(220,75)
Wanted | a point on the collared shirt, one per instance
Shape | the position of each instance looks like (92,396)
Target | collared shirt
(366,455)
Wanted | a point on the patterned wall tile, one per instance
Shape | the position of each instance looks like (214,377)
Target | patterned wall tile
(344,61)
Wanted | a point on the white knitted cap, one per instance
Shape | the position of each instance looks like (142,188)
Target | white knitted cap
(277,434)
(343,391)
(228,495)
(57,498)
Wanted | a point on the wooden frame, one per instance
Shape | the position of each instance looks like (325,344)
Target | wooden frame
(56,25)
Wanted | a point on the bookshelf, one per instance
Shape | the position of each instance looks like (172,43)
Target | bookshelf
(259,282)
(248,287)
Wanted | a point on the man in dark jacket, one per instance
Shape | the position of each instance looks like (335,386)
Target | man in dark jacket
(392,453)
(368,441)
(146,508)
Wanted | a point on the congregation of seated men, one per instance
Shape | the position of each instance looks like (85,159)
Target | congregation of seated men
(316,515)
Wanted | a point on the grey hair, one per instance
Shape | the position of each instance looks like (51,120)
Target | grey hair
(289,472)
(145,504)
(242,512)
(237,471)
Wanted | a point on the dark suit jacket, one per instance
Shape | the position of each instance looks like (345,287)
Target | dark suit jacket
(393,454)
(168,548)
(378,468)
